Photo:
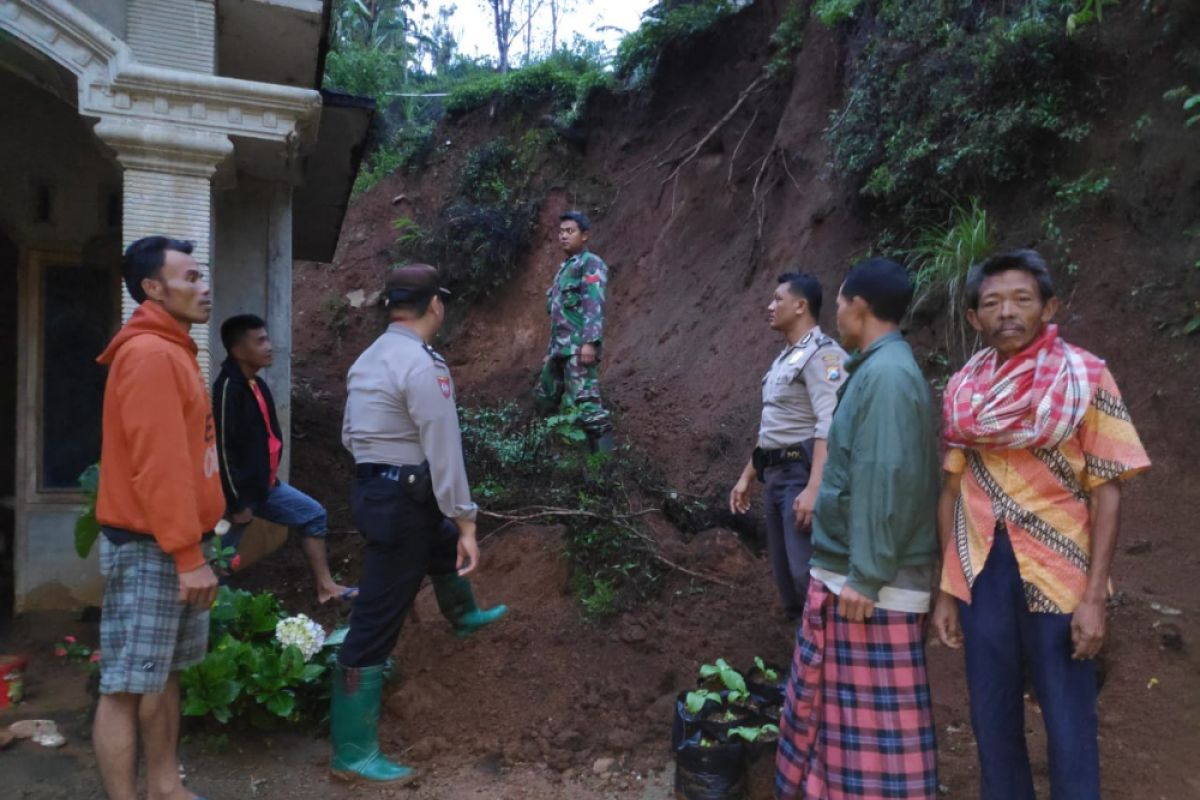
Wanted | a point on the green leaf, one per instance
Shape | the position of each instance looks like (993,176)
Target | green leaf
(1191,102)
(694,701)
(281,704)
(311,672)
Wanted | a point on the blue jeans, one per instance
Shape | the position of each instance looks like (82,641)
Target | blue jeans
(789,549)
(285,505)
(1002,637)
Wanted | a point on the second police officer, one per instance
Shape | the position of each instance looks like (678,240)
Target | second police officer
(412,503)
(799,395)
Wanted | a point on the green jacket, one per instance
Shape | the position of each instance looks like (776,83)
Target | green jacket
(877,506)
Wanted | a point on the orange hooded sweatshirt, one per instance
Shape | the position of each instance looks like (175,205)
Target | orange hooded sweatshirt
(158,457)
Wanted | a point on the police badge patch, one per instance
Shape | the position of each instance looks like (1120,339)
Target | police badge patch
(833,367)
(444,385)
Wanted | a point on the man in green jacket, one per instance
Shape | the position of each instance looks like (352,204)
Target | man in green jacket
(858,721)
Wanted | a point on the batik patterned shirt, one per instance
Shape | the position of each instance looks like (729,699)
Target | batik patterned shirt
(1041,495)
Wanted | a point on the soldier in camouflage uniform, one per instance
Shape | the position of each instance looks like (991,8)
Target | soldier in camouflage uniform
(575,302)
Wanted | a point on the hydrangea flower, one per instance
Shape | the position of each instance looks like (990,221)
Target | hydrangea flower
(302,633)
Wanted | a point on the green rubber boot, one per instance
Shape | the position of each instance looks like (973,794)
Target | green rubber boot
(354,726)
(457,603)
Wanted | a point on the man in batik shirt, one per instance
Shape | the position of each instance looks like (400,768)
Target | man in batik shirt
(575,302)
(1039,441)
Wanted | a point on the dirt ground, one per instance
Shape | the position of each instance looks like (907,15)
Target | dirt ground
(530,708)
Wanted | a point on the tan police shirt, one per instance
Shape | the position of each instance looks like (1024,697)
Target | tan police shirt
(800,391)
(400,410)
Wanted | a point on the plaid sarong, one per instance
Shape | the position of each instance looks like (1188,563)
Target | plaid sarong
(857,720)
(145,632)
(1037,398)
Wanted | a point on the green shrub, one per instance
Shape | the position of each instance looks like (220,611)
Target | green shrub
(638,53)
(946,98)
(366,71)
(832,12)
(565,80)
(1191,103)
(247,676)
(527,462)
(943,256)
(87,529)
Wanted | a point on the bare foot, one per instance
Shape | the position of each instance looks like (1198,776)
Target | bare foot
(335,591)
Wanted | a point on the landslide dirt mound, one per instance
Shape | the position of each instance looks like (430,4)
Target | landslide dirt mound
(544,687)
(686,344)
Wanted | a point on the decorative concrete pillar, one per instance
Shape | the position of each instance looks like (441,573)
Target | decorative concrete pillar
(168,174)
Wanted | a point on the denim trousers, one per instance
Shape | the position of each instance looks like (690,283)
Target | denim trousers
(288,506)
(1003,640)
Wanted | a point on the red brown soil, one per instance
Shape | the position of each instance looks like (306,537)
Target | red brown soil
(686,344)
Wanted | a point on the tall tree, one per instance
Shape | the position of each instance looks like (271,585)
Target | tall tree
(510,19)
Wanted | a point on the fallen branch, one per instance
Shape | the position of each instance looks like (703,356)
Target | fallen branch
(620,520)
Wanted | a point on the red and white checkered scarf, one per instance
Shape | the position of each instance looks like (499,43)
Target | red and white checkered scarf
(1037,398)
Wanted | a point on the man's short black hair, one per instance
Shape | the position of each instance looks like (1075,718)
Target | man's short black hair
(145,257)
(1024,260)
(579,218)
(883,284)
(801,284)
(234,329)
(412,308)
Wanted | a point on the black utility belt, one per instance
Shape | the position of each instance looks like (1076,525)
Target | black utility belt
(414,478)
(765,459)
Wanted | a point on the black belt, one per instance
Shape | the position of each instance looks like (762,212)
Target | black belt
(392,472)
(765,459)
(786,455)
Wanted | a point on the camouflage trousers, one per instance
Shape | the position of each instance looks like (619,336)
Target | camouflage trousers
(565,376)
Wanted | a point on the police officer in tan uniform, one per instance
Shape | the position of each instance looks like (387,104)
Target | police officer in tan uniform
(799,397)
(412,503)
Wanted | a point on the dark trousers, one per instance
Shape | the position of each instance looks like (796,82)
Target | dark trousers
(789,549)
(1003,638)
(406,539)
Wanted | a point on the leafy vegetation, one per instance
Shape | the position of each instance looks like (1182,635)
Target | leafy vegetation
(1190,101)
(833,12)
(486,223)
(565,79)
(663,24)
(1069,197)
(942,257)
(530,464)
(87,529)
(248,675)
(947,98)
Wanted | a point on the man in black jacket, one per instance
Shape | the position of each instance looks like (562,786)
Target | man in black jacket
(250,444)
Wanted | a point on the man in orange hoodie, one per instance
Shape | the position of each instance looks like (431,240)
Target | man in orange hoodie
(160,493)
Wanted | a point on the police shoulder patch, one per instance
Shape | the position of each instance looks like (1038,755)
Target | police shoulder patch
(833,367)
(444,384)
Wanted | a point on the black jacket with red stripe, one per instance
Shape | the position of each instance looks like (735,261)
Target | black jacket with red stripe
(243,445)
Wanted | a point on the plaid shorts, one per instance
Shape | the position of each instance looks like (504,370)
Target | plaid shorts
(145,632)
(858,717)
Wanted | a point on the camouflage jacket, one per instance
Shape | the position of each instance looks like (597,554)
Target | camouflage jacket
(575,302)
